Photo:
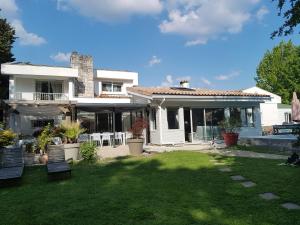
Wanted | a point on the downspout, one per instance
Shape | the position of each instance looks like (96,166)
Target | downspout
(160,120)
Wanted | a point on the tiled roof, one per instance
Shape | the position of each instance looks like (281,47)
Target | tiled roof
(149,91)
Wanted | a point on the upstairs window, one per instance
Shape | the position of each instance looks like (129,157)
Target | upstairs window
(111,87)
(172,114)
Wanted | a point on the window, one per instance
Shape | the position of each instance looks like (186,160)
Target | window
(49,86)
(111,87)
(245,115)
(153,114)
(41,123)
(172,114)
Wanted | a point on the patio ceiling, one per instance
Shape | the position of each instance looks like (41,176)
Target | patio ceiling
(118,107)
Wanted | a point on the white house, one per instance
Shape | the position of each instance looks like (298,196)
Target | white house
(273,112)
(110,100)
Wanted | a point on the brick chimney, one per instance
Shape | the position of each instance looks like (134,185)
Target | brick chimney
(84,87)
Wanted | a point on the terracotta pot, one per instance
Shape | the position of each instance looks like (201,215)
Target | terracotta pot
(230,138)
(43,159)
(135,146)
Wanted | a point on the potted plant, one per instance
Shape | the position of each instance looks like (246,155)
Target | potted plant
(29,155)
(70,132)
(135,143)
(43,140)
(230,127)
(7,137)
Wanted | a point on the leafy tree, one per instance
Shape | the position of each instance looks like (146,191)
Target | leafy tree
(279,71)
(7,38)
(290,11)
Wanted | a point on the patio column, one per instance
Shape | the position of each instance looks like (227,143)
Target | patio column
(12,87)
(114,126)
(191,125)
(204,120)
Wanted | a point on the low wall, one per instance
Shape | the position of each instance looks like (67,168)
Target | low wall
(279,143)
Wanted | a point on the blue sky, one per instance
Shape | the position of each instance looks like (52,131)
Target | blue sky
(215,44)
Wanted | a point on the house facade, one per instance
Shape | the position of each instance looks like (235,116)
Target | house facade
(111,100)
(273,112)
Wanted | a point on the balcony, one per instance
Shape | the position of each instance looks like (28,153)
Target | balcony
(40,96)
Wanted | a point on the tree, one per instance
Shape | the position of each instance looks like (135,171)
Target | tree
(291,16)
(7,38)
(279,71)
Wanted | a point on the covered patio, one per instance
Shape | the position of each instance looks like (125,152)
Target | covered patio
(109,123)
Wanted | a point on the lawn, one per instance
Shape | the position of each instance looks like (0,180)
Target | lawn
(178,188)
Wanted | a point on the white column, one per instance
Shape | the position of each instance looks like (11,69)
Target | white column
(12,87)
(71,89)
(204,120)
(191,122)
(257,116)
(160,124)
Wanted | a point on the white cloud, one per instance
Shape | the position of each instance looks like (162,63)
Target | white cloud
(206,81)
(25,37)
(261,13)
(61,57)
(10,10)
(202,20)
(168,81)
(154,60)
(112,10)
(228,76)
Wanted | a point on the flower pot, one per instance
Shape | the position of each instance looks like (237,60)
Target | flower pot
(135,146)
(230,138)
(72,151)
(43,159)
(29,158)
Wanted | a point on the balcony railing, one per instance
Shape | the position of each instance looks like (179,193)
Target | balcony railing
(40,96)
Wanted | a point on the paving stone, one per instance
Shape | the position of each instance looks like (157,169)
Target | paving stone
(238,178)
(213,160)
(248,184)
(290,206)
(225,169)
(219,164)
(268,196)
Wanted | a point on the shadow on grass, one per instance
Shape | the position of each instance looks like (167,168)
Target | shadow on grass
(171,188)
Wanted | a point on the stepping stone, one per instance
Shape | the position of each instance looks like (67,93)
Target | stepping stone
(225,169)
(290,206)
(238,178)
(213,160)
(219,164)
(268,196)
(248,184)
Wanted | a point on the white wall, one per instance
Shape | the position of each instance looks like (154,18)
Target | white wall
(118,75)
(281,112)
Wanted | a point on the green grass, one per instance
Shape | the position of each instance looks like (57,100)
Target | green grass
(261,149)
(178,188)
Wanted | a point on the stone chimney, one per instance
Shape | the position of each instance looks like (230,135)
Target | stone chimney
(185,84)
(84,87)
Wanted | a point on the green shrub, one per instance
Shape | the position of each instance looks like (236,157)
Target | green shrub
(71,130)
(7,137)
(45,138)
(88,150)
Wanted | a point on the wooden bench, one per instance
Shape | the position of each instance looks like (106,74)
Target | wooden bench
(11,166)
(57,167)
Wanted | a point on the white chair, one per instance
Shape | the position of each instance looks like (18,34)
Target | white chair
(106,137)
(119,137)
(57,140)
(128,135)
(97,138)
(83,138)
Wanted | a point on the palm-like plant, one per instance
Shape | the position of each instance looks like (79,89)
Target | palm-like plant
(71,130)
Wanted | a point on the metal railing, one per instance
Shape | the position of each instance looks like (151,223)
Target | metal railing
(40,96)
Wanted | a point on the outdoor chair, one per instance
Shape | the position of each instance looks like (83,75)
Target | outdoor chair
(96,137)
(57,167)
(11,166)
(106,137)
(57,140)
(119,137)
(83,138)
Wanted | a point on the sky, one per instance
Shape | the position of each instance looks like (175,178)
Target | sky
(214,44)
